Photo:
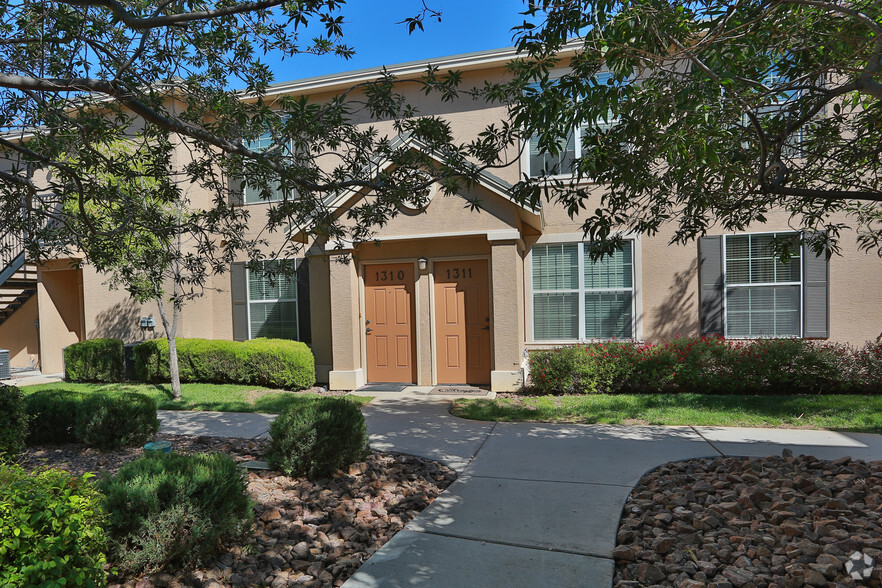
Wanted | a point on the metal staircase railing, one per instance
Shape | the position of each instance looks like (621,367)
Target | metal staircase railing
(12,255)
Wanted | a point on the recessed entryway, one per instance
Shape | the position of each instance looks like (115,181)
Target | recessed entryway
(462,322)
(389,322)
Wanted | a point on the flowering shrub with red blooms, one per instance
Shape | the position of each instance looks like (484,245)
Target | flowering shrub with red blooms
(708,365)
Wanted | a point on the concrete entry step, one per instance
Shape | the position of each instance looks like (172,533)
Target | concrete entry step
(409,391)
(384,387)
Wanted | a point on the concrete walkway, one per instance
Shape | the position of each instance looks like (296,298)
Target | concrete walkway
(539,505)
(246,425)
(535,504)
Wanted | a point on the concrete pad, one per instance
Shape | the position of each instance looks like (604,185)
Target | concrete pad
(561,516)
(246,425)
(423,559)
(33,378)
(600,454)
(424,427)
(757,442)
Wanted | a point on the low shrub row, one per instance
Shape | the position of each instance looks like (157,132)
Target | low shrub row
(13,420)
(274,363)
(62,416)
(95,360)
(709,365)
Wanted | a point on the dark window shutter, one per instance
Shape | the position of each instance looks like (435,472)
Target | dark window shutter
(303,313)
(816,295)
(710,284)
(237,192)
(239,291)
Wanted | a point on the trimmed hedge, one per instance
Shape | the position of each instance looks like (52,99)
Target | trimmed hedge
(13,420)
(114,422)
(317,439)
(708,365)
(174,510)
(51,529)
(274,363)
(95,360)
(53,416)
(99,420)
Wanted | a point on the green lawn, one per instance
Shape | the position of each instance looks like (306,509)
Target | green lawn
(221,397)
(849,413)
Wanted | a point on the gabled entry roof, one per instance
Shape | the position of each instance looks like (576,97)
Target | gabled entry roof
(494,184)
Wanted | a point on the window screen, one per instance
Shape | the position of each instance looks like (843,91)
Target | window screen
(763,295)
(577,299)
(272,303)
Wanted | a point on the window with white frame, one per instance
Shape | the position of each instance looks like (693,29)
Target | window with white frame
(272,303)
(575,298)
(253,194)
(763,296)
(777,107)
(570,147)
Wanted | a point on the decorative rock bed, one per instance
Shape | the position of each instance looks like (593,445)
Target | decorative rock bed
(745,522)
(306,533)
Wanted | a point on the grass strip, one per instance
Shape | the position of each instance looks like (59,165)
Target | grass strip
(198,396)
(857,413)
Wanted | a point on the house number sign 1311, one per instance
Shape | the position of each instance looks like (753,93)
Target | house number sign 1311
(457,272)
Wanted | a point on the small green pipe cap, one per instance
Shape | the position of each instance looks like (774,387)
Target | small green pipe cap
(157,447)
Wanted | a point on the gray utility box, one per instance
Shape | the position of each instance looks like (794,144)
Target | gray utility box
(4,364)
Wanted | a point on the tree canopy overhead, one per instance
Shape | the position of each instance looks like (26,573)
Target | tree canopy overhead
(80,75)
(708,113)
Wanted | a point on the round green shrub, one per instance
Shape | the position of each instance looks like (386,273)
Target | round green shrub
(53,416)
(51,529)
(174,510)
(113,422)
(279,363)
(95,360)
(317,439)
(13,420)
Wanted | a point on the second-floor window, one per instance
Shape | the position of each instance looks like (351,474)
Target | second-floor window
(576,299)
(253,194)
(570,148)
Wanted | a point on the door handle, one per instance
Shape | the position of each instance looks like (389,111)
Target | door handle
(485,328)
(368,330)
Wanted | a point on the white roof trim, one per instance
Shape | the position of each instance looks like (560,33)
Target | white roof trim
(462,61)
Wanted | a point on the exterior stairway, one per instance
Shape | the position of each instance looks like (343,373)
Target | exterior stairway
(18,280)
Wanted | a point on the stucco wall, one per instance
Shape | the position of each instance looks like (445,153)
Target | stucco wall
(59,296)
(668,280)
(19,335)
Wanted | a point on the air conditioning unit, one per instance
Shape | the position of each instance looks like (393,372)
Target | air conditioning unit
(4,364)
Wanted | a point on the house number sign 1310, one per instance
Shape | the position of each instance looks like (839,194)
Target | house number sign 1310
(385,276)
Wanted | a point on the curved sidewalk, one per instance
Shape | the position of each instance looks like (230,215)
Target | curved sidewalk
(539,504)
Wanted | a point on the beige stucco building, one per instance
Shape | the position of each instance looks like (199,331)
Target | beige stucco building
(451,295)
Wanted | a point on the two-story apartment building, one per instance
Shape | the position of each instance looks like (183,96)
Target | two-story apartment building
(451,295)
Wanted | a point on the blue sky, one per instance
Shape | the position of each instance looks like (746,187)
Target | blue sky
(372,31)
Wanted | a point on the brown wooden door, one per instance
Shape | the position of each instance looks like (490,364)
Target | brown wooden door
(462,322)
(389,324)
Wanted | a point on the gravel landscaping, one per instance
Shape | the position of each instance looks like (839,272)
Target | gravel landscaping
(744,522)
(306,533)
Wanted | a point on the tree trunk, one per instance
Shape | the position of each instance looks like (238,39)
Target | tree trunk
(170,331)
(173,368)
